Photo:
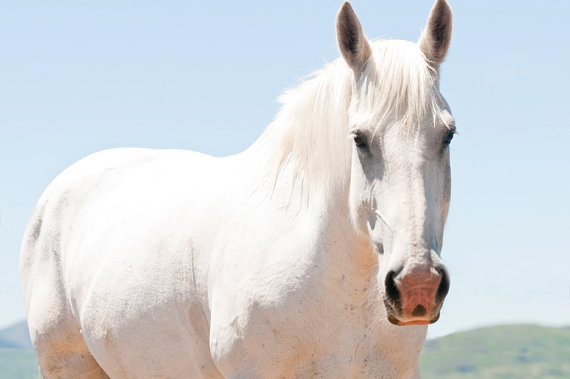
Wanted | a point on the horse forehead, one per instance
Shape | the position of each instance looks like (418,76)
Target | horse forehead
(409,136)
(435,121)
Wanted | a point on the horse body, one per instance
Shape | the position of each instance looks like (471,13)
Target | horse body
(174,277)
(144,263)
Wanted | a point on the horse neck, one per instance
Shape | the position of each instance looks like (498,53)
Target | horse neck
(304,160)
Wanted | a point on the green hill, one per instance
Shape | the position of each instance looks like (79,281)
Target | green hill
(16,336)
(18,364)
(17,359)
(508,351)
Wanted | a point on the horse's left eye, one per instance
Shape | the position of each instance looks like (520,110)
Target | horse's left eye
(448,137)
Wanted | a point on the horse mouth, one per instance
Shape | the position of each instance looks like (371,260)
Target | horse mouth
(395,309)
(395,321)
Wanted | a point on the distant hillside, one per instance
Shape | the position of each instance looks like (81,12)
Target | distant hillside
(18,364)
(17,358)
(16,336)
(509,351)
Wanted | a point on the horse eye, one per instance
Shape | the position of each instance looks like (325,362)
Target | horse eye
(359,141)
(448,137)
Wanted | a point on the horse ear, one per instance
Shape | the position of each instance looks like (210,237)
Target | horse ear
(352,42)
(435,39)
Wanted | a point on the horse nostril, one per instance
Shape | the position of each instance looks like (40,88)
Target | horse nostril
(419,311)
(392,291)
(443,287)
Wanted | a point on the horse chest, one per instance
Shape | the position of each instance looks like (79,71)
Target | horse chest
(287,328)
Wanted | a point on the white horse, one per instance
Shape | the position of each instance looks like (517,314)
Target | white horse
(302,256)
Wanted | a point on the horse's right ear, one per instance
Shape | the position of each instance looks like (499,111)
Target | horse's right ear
(352,42)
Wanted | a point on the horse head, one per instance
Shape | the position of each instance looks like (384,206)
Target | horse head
(401,128)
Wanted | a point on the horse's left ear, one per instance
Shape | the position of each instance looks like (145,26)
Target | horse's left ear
(435,39)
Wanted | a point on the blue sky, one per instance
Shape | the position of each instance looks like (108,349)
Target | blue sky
(78,77)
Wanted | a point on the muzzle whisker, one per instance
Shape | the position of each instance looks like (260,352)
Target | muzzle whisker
(381,217)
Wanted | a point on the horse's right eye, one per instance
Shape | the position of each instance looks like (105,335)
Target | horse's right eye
(359,141)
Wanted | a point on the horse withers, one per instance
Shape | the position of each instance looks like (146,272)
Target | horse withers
(315,252)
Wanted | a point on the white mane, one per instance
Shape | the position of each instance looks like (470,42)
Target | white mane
(312,131)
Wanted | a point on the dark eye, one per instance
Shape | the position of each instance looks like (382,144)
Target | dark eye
(448,137)
(359,141)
